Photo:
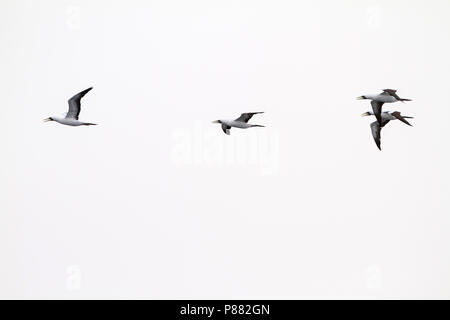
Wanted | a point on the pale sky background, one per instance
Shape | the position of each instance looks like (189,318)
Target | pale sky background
(156,202)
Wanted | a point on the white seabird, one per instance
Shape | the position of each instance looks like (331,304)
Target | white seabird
(71,118)
(241,122)
(385,118)
(387,96)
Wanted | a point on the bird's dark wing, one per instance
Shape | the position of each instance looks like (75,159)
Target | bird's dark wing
(400,117)
(245,117)
(376,133)
(385,122)
(226,128)
(75,104)
(376,107)
(392,93)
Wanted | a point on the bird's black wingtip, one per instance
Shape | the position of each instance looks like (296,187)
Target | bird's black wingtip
(378,145)
(86,90)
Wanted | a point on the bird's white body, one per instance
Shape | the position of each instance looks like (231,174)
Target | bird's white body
(380,98)
(236,124)
(69,121)
(386,115)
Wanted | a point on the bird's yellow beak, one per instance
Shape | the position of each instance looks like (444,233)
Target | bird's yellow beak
(216,121)
(47,120)
(360,98)
(365,114)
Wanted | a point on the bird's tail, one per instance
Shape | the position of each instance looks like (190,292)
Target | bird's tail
(89,124)
(403,100)
(406,117)
(257,125)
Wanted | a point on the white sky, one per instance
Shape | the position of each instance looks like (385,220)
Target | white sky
(156,202)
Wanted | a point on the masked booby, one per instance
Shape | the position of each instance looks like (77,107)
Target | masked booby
(385,118)
(71,118)
(241,122)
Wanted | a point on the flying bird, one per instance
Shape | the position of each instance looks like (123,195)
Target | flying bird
(386,117)
(387,96)
(241,122)
(71,118)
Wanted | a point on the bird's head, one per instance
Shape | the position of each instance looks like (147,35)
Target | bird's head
(217,121)
(49,119)
(365,114)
